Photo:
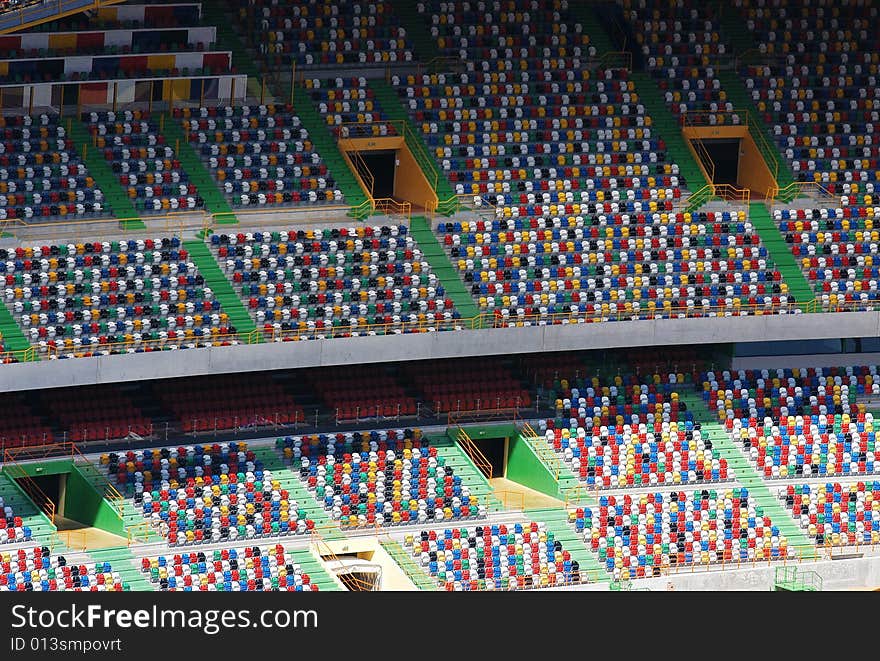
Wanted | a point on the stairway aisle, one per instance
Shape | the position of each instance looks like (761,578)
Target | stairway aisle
(215,201)
(307,505)
(408,564)
(780,252)
(585,14)
(666,126)
(391,104)
(114,195)
(557,523)
(317,574)
(417,32)
(747,476)
(121,560)
(218,14)
(326,146)
(441,266)
(471,476)
(230,302)
(41,528)
(12,335)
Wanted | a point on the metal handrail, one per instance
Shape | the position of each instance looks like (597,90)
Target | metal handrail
(482,320)
(362,171)
(480,459)
(701,118)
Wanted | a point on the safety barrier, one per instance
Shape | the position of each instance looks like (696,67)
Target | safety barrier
(482,321)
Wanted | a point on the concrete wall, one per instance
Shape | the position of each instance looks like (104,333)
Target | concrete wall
(807,360)
(447,344)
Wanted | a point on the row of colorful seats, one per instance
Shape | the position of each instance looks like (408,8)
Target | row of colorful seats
(835,514)
(147,167)
(314,34)
(347,282)
(815,89)
(259,154)
(251,569)
(38,570)
(520,556)
(637,454)
(397,486)
(644,535)
(95,296)
(41,173)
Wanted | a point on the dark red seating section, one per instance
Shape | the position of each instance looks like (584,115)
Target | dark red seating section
(94,413)
(473,384)
(228,402)
(19,427)
(355,392)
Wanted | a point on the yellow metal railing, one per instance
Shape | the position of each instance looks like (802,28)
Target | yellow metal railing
(17,473)
(483,320)
(323,550)
(474,452)
(440,64)
(797,189)
(362,171)
(729,118)
(392,207)
(703,158)
(72,540)
(511,500)
(139,533)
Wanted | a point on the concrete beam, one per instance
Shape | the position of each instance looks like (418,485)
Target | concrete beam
(422,346)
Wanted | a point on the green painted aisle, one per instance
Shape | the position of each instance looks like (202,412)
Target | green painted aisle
(41,528)
(215,201)
(780,252)
(585,14)
(326,146)
(557,523)
(387,97)
(121,560)
(417,31)
(734,30)
(464,467)
(317,574)
(747,477)
(218,14)
(114,194)
(665,125)
(12,335)
(441,266)
(218,282)
(307,505)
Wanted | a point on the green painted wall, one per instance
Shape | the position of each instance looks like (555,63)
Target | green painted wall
(86,505)
(82,502)
(524,466)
